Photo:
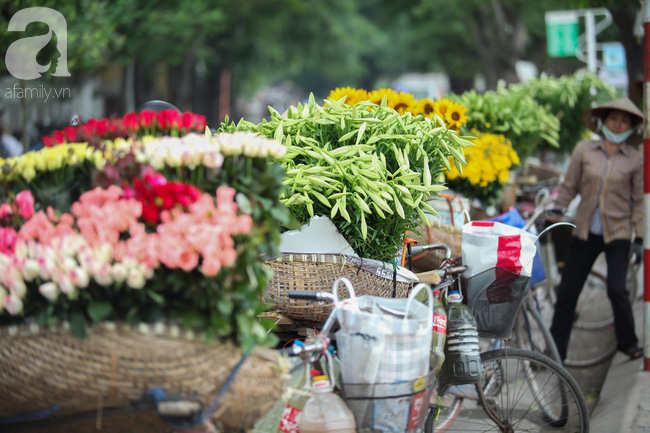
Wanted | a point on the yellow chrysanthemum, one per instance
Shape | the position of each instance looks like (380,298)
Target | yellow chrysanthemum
(488,161)
(455,115)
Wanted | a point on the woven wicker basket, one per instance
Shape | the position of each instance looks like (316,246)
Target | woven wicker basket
(438,233)
(317,273)
(114,365)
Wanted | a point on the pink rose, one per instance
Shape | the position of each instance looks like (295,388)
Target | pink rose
(25,202)
(5,210)
(210,266)
(188,260)
(7,240)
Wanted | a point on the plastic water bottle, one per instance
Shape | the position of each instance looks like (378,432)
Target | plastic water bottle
(439,334)
(326,411)
(462,357)
(284,415)
(293,410)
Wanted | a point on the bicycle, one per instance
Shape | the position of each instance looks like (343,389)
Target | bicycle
(520,389)
(551,397)
(530,330)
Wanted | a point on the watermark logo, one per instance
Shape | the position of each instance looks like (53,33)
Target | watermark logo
(21,55)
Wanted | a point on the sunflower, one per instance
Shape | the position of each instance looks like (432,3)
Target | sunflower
(441,106)
(402,101)
(426,107)
(455,116)
(352,95)
(376,96)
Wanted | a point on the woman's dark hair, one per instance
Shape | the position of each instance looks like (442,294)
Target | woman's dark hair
(634,120)
(156,105)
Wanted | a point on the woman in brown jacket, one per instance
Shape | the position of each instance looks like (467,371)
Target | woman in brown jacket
(607,172)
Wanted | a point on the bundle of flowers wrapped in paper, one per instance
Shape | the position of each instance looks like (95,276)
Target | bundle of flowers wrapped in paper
(154,228)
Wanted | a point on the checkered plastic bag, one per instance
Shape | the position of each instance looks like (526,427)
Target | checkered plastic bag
(385,340)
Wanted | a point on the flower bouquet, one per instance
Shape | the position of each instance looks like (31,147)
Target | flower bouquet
(487,169)
(367,167)
(151,271)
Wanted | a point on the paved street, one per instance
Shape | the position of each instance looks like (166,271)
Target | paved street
(587,344)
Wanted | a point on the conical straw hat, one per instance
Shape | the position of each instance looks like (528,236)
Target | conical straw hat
(589,117)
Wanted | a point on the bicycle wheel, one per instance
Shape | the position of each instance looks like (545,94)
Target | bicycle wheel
(531,333)
(525,391)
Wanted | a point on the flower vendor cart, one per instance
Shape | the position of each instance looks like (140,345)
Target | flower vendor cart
(140,285)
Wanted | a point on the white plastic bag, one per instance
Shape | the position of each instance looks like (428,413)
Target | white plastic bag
(489,244)
(385,340)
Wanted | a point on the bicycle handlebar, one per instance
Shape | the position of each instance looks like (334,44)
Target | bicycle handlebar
(422,248)
(311,296)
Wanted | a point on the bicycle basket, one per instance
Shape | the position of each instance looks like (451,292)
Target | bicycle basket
(495,296)
(399,407)
(317,273)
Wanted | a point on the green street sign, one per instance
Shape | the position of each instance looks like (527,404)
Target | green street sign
(561,34)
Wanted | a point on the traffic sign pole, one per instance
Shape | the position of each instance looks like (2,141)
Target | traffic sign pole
(646,185)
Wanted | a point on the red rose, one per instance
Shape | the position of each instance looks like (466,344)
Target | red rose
(117,128)
(58,137)
(199,122)
(47,141)
(84,132)
(147,118)
(168,119)
(101,129)
(70,134)
(131,122)
(150,213)
(193,122)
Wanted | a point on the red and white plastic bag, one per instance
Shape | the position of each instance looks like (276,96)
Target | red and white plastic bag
(489,244)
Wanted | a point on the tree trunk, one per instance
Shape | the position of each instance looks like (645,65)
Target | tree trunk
(185,84)
(624,20)
(500,39)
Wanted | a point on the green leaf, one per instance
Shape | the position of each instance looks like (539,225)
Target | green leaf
(99,310)
(78,324)
(158,298)
(243,324)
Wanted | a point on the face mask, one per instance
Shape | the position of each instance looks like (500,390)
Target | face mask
(616,138)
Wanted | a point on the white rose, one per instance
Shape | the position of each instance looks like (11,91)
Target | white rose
(136,279)
(13,304)
(120,272)
(20,250)
(18,288)
(79,277)
(66,285)
(102,274)
(68,263)
(49,290)
(104,252)
(31,270)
